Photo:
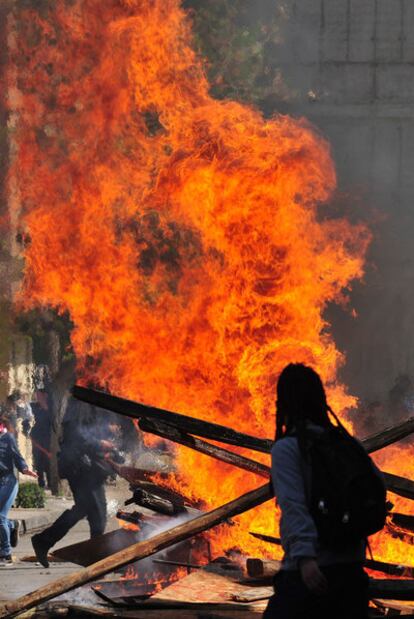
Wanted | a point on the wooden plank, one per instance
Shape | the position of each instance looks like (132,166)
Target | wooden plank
(389,435)
(205,587)
(189,424)
(97,548)
(139,551)
(262,568)
(391,589)
(217,432)
(404,521)
(253,594)
(184,612)
(399,485)
(266,538)
(177,435)
(405,608)
(392,569)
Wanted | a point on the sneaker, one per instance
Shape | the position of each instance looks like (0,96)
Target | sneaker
(8,560)
(41,550)
(14,536)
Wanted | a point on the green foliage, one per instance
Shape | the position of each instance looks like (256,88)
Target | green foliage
(30,495)
(243,43)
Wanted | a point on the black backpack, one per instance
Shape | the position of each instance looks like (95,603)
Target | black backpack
(347,498)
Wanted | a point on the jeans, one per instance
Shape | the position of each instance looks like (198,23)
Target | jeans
(8,492)
(90,502)
(347,594)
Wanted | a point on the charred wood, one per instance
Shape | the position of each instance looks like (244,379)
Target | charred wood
(391,589)
(131,474)
(399,485)
(124,587)
(403,520)
(399,533)
(97,548)
(159,499)
(183,438)
(265,568)
(262,568)
(396,484)
(192,566)
(217,432)
(188,424)
(155,502)
(138,551)
(390,568)
(389,435)
(132,517)
(266,538)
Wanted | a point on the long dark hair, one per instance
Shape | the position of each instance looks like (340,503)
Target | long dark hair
(301,397)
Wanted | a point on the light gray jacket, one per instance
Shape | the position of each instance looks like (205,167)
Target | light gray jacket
(290,476)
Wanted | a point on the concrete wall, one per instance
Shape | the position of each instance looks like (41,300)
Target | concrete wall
(349,67)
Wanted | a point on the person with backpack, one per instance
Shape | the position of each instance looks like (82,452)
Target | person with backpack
(331,497)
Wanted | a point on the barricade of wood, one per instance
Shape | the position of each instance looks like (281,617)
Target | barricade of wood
(187,431)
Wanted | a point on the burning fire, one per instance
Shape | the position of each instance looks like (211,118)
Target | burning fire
(185,236)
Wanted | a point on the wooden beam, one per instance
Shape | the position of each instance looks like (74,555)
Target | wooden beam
(391,589)
(266,538)
(217,432)
(405,521)
(389,435)
(262,568)
(177,435)
(399,485)
(390,568)
(138,551)
(188,424)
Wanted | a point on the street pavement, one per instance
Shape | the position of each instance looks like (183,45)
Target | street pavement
(21,577)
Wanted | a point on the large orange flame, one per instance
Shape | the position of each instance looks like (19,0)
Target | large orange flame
(185,236)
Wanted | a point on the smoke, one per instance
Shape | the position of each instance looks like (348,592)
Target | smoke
(333,63)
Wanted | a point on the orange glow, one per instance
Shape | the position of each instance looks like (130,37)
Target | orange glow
(130,573)
(186,236)
(395,459)
(130,526)
(157,579)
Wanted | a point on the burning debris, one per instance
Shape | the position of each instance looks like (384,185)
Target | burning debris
(181,233)
(135,549)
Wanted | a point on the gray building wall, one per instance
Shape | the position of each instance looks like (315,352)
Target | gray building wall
(348,65)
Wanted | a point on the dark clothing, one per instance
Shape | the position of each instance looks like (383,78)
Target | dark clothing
(80,448)
(348,595)
(10,456)
(42,426)
(348,583)
(40,436)
(41,464)
(291,477)
(81,462)
(90,502)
